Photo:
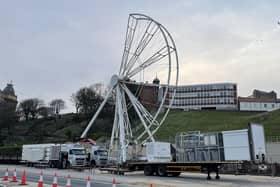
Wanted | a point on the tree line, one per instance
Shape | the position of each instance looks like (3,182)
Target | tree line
(86,101)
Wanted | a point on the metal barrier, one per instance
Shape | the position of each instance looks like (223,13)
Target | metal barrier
(274,139)
(197,146)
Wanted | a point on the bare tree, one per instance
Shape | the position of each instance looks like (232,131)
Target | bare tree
(75,101)
(30,107)
(57,105)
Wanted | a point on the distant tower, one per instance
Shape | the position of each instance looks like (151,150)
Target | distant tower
(9,90)
(8,98)
(156,80)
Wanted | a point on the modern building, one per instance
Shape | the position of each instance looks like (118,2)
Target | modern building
(259,101)
(219,96)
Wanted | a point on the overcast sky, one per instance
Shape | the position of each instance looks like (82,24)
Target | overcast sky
(49,49)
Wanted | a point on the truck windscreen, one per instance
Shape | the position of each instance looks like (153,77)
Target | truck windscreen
(78,151)
(102,153)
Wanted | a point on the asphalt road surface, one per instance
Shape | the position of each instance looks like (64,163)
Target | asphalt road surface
(137,179)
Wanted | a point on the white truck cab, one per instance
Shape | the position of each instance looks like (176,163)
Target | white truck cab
(98,156)
(76,155)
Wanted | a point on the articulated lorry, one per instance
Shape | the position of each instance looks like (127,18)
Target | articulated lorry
(200,152)
(54,155)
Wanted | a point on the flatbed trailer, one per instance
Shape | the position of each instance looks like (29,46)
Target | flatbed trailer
(174,169)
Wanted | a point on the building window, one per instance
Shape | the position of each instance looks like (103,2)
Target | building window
(265,105)
(273,105)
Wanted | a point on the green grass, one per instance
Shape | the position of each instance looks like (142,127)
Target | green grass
(182,121)
(71,125)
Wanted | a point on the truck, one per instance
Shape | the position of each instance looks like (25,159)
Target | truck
(97,156)
(199,152)
(54,155)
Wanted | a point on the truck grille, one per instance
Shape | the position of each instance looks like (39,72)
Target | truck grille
(80,161)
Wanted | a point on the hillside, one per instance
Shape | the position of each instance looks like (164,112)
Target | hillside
(182,121)
(63,129)
(70,126)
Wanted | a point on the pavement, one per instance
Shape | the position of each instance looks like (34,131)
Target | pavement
(135,179)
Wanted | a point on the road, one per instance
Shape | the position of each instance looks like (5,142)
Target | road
(48,179)
(137,179)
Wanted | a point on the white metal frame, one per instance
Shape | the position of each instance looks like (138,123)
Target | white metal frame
(122,130)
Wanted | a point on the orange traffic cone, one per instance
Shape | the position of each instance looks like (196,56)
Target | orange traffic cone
(114,182)
(41,183)
(68,184)
(54,180)
(6,176)
(88,181)
(23,178)
(14,176)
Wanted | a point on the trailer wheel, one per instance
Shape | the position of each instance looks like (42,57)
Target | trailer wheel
(148,170)
(64,164)
(93,164)
(161,170)
(68,165)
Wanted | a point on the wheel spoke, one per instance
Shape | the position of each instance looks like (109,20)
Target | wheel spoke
(151,30)
(125,113)
(115,126)
(165,115)
(131,27)
(143,114)
(157,56)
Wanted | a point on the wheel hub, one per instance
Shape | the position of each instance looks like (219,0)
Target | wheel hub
(115,80)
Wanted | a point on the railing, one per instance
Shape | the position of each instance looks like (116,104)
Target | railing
(196,146)
(273,139)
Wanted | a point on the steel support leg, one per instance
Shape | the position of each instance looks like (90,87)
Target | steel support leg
(217,173)
(208,173)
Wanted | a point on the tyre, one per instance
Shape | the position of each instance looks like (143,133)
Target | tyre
(148,170)
(161,170)
(64,164)
(93,164)
(68,165)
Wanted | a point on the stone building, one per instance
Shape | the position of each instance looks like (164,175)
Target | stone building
(264,95)
(259,101)
(8,98)
(147,93)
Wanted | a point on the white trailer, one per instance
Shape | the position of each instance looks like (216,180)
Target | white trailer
(38,153)
(257,142)
(54,155)
(246,144)
(236,145)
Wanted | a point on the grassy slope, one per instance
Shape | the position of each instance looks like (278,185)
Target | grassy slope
(182,121)
(48,130)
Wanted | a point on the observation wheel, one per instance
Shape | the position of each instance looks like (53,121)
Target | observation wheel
(149,52)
